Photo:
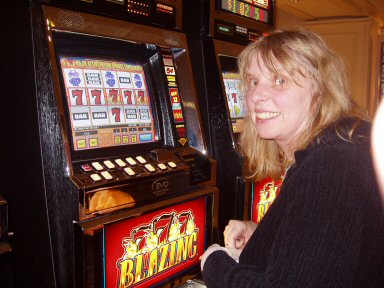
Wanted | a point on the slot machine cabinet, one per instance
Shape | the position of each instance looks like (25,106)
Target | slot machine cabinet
(4,242)
(156,249)
(109,133)
(217,32)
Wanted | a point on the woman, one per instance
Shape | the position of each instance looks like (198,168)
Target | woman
(325,228)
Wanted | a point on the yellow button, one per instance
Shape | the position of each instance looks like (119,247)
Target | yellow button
(109,164)
(97,166)
(131,161)
(172,164)
(129,171)
(120,162)
(81,144)
(95,177)
(106,175)
(94,142)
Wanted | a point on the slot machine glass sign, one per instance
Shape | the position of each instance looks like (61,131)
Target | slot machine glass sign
(146,250)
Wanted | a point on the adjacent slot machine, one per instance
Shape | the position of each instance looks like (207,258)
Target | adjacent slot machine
(119,190)
(216,36)
(4,244)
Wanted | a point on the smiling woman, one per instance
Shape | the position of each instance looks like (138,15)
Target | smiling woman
(278,105)
(326,225)
(313,94)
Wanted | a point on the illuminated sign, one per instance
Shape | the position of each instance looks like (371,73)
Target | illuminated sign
(264,194)
(261,3)
(249,9)
(146,250)
(225,29)
(165,9)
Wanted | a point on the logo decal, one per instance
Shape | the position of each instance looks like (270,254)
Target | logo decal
(167,241)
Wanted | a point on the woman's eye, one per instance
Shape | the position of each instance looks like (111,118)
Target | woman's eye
(280,81)
(252,83)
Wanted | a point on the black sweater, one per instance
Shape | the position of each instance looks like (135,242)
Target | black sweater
(325,229)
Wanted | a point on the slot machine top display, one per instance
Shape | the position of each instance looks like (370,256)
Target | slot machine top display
(124,112)
(162,13)
(240,21)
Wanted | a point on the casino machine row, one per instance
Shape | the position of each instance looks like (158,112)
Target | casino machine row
(108,182)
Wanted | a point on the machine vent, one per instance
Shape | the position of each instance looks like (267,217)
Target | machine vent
(70,20)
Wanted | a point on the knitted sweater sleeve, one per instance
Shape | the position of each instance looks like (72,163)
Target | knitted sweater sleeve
(322,224)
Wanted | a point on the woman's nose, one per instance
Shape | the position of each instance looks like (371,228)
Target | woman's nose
(259,93)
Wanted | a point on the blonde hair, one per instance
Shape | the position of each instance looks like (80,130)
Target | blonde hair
(305,53)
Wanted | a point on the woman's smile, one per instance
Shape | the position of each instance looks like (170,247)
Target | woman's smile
(266,115)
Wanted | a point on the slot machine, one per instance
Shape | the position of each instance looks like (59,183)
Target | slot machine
(217,32)
(117,189)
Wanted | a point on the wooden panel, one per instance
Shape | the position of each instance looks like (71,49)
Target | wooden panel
(355,40)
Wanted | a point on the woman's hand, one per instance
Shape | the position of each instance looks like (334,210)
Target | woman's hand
(217,247)
(237,234)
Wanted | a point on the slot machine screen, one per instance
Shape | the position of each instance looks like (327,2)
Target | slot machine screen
(108,101)
(235,99)
(109,94)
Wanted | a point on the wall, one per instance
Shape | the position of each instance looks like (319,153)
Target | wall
(285,20)
(358,42)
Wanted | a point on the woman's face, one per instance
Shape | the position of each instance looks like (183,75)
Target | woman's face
(278,106)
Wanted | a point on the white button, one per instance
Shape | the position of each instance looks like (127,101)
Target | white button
(106,175)
(131,161)
(162,166)
(172,164)
(97,166)
(120,162)
(129,171)
(141,159)
(109,164)
(150,168)
(95,177)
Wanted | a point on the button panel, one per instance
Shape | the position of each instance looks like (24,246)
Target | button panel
(108,170)
(144,178)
